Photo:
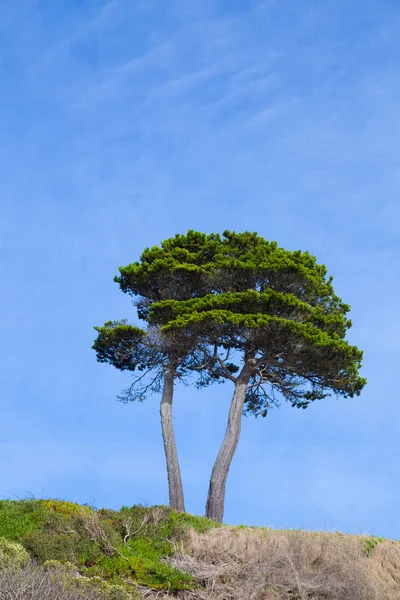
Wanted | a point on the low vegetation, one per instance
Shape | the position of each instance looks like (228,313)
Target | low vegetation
(55,550)
(125,548)
(263,564)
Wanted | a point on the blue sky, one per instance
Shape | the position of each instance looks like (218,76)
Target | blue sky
(123,123)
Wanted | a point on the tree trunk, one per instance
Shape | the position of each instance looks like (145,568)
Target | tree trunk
(216,490)
(176,500)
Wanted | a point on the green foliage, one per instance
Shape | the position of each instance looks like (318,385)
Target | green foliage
(370,543)
(12,554)
(121,345)
(276,307)
(67,568)
(73,579)
(61,507)
(194,265)
(180,269)
(118,547)
(144,565)
(44,545)
(267,302)
(106,590)
(199,524)
(18,518)
(210,295)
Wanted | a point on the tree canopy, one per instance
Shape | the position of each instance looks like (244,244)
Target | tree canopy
(244,293)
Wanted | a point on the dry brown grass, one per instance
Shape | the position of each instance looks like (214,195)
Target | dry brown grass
(249,564)
(385,569)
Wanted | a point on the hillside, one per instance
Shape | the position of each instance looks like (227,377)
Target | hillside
(55,550)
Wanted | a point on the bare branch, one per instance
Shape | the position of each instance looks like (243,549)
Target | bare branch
(228,374)
(138,393)
(128,527)
(91,523)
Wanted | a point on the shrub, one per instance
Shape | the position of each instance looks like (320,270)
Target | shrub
(19,517)
(35,583)
(69,573)
(370,543)
(12,554)
(66,568)
(47,545)
(106,590)
(126,547)
(68,509)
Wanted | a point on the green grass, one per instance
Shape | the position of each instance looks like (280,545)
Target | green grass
(122,547)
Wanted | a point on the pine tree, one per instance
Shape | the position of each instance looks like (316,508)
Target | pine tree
(235,308)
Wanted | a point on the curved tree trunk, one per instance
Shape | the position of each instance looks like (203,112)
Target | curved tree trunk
(216,490)
(176,500)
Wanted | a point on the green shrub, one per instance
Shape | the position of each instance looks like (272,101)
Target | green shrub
(47,545)
(106,590)
(12,554)
(67,509)
(66,568)
(370,543)
(69,573)
(19,517)
(129,545)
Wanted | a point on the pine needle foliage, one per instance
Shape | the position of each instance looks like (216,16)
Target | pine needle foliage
(239,294)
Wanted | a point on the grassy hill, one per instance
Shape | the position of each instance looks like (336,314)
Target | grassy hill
(56,550)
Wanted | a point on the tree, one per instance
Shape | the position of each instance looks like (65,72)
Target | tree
(266,319)
(233,307)
(160,358)
(130,348)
